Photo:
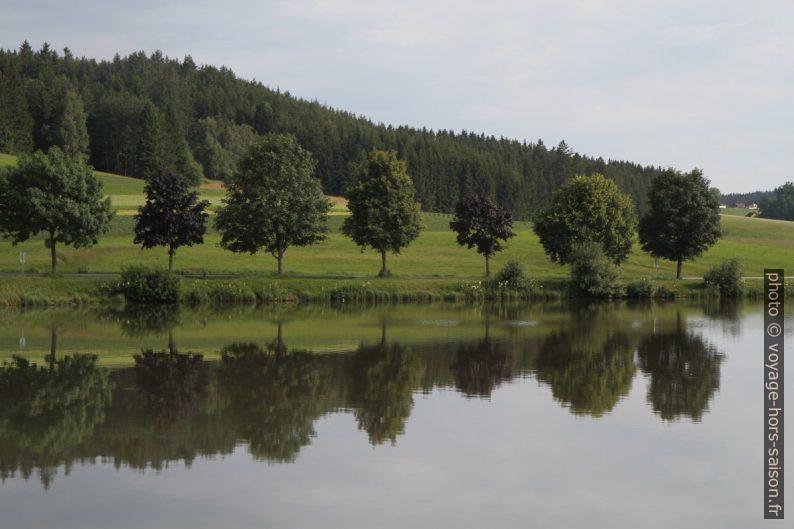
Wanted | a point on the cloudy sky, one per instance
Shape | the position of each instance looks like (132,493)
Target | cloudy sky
(683,83)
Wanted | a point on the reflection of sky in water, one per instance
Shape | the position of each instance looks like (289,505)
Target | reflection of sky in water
(514,460)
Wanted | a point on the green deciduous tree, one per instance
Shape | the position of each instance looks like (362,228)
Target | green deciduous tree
(587,209)
(58,196)
(480,222)
(384,214)
(684,217)
(173,216)
(273,201)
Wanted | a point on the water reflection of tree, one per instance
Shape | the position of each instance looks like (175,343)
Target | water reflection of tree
(47,412)
(144,319)
(589,371)
(171,382)
(727,312)
(382,380)
(272,397)
(684,371)
(481,367)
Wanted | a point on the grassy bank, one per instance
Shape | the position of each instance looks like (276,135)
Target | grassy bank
(434,266)
(37,291)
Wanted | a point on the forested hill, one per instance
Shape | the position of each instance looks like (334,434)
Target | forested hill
(136,112)
(747,198)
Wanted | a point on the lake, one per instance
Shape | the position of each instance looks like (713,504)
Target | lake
(546,415)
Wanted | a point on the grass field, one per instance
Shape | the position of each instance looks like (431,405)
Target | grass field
(759,243)
(738,212)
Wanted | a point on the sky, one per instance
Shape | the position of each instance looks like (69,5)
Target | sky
(679,83)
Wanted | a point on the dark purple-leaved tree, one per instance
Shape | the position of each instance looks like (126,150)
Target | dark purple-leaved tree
(173,216)
(480,222)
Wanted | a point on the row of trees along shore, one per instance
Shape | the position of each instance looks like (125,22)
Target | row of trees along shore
(274,201)
(138,114)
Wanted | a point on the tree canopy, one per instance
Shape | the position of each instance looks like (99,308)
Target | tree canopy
(273,201)
(480,222)
(56,195)
(684,217)
(384,214)
(173,216)
(587,209)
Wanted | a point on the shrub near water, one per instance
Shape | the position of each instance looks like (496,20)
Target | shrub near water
(726,278)
(640,289)
(143,284)
(593,274)
(512,275)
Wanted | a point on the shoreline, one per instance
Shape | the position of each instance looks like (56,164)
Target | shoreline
(20,292)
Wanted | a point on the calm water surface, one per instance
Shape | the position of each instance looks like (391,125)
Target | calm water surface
(547,415)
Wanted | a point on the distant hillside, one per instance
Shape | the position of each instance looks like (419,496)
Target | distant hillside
(139,111)
(745,198)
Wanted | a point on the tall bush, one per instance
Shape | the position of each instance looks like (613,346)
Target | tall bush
(143,284)
(592,273)
(726,278)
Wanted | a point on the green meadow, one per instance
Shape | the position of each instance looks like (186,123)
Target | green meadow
(434,257)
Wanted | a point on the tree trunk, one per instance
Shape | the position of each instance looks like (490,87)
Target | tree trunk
(487,266)
(171,252)
(53,255)
(383,270)
(678,270)
(280,258)
(281,349)
(53,346)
